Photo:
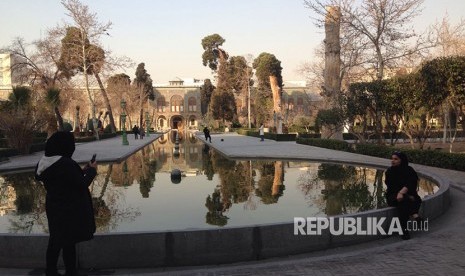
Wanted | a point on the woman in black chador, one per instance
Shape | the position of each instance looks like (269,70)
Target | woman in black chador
(402,183)
(68,204)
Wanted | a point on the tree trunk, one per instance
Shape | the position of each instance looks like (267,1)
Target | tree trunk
(59,119)
(85,67)
(107,103)
(276,90)
(332,78)
(278,177)
(141,104)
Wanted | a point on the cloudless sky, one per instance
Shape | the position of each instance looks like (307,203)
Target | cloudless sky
(167,34)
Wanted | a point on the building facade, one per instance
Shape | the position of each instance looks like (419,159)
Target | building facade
(9,77)
(177,105)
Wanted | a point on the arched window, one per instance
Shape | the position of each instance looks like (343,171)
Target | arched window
(162,122)
(192,104)
(291,104)
(192,121)
(177,104)
(161,104)
(300,104)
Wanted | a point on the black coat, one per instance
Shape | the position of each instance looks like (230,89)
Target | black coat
(69,207)
(398,177)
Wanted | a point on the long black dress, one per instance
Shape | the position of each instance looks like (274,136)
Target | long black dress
(68,204)
(396,178)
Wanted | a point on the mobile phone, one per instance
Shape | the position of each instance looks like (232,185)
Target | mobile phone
(93,158)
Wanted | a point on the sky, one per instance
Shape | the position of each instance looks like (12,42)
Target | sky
(166,34)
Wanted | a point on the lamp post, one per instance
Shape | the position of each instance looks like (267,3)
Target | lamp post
(147,123)
(125,175)
(248,106)
(123,120)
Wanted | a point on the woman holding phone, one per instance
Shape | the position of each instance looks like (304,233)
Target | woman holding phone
(68,203)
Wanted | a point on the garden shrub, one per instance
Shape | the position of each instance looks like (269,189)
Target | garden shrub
(452,161)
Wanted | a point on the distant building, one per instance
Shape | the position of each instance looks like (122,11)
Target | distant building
(177,105)
(9,77)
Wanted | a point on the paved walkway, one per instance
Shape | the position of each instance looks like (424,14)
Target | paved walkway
(107,150)
(440,251)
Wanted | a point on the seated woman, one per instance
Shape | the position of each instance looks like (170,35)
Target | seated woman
(402,183)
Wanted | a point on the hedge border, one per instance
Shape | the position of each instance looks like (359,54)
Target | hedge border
(445,160)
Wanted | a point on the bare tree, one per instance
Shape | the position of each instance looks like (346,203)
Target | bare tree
(380,30)
(450,38)
(37,64)
(90,31)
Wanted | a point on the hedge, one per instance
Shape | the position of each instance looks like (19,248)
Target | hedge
(452,161)
(268,135)
(325,143)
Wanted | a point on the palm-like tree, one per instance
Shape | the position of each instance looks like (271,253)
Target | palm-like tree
(53,100)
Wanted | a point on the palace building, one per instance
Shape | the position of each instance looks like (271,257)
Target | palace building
(177,104)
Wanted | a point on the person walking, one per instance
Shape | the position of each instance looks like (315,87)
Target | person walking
(68,204)
(206,132)
(262,133)
(142,132)
(135,130)
(402,184)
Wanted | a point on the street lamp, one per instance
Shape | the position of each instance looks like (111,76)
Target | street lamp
(123,120)
(147,123)
(125,175)
(248,106)
(248,98)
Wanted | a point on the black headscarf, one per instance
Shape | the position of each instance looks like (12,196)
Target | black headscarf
(403,158)
(60,143)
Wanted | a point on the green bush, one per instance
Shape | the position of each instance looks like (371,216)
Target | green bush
(309,135)
(41,135)
(374,150)
(37,147)
(326,143)
(107,129)
(84,139)
(451,161)
(280,137)
(236,125)
(268,135)
(6,152)
(107,135)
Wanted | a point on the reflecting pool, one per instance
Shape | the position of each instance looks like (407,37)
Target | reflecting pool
(139,194)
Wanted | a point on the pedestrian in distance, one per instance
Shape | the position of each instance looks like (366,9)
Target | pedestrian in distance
(68,204)
(206,132)
(135,130)
(402,185)
(142,132)
(262,132)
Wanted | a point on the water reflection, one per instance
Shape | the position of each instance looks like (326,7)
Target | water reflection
(138,195)
(20,195)
(343,188)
